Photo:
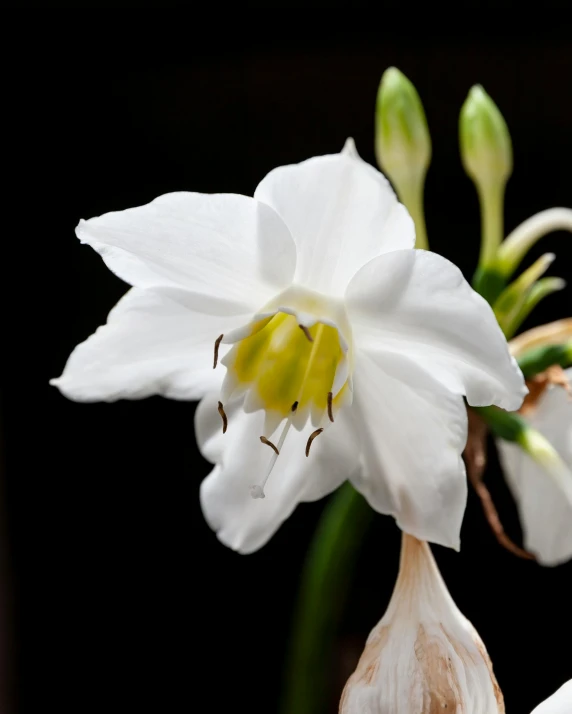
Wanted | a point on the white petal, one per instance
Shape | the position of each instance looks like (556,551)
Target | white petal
(341,212)
(241,522)
(418,304)
(545,508)
(559,703)
(151,344)
(232,251)
(414,432)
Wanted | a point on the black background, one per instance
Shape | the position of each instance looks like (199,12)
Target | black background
(117,597)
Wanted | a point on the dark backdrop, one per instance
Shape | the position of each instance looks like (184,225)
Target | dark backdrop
(117,596)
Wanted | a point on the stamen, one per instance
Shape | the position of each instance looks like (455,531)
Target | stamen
(223,417)
(313,435)
(257,491)
(330,411)
(294,406)
(306,331)
(266,441)
(216,346)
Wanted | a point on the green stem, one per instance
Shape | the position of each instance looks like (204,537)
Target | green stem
(491,199)
(411,195)
(325,581)
(507,425)
(538,359)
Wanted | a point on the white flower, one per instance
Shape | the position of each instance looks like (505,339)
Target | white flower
(325,318)
(559,703)
(423,656)
(542,486)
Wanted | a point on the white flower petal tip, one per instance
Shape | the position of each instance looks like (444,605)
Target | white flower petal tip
(423,655)
(350,149)
(341,213)
(540,478)
(559,703)
(151,344)
(229,252)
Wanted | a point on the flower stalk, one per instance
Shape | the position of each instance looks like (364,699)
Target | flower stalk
(328,569)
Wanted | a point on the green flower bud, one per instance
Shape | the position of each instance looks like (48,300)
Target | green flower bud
(403,144)
(402,141)
(486,149)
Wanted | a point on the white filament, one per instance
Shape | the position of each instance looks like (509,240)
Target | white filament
(257,490)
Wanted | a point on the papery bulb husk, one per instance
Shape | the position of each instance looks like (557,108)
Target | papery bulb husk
(423,656)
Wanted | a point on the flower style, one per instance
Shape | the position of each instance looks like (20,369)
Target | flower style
(423,655)
(540,477)
(559,703)
(339,347)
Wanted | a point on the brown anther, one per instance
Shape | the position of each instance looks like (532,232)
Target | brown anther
(216,346)
(266,441)
(330,411)
(294,406)
(306,331)
(313,435)
(223,417)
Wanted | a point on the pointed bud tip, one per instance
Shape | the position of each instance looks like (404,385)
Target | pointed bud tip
(392,77)
(477,94)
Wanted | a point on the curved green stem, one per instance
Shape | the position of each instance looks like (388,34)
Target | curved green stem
(324,585)
(538,359)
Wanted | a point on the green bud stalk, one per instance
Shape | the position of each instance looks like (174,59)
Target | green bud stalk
(486,153)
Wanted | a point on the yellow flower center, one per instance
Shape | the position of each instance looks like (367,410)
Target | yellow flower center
(295,367)
(286,365)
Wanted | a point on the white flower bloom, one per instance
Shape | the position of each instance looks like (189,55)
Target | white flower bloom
(542,486)
(559,703)
(423,656)
(324,319)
